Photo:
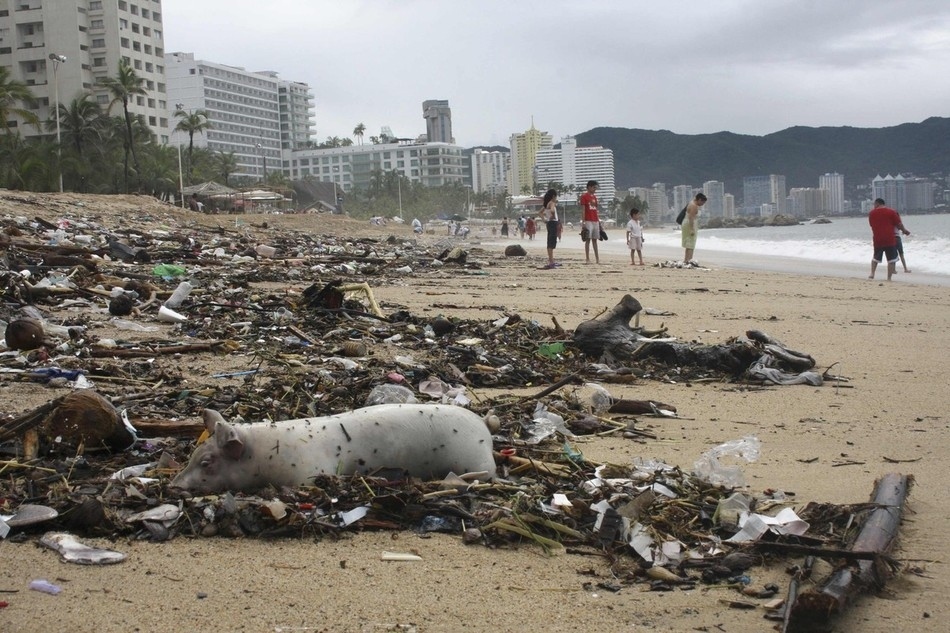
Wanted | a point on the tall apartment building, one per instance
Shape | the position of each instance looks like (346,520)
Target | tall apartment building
(763,195)
(430,164)
(809,201)
(92,35)
(658,206)
(904,193)
(257,116)
(777,192)
(834,183)
(489,171)
(728,206)
(524,151)
(714,191)
(438,118)
(574,166)
(682,195)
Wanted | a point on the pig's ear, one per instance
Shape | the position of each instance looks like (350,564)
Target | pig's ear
(211,418)
(229,440)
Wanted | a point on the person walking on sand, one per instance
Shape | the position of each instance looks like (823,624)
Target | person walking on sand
(635,237)
(900,248)
(504,227)
(591,220)
(690,229)
(885,223)
(548,214)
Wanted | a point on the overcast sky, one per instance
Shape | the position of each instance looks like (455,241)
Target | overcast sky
(691,67)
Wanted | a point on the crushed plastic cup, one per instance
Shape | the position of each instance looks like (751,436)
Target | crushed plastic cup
(390,394)
(713,466)
(170,316)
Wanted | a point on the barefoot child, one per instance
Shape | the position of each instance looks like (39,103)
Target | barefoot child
(635,237)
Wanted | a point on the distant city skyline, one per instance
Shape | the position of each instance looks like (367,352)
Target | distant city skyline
(748,68)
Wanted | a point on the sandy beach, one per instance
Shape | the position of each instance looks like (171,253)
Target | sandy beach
(825,443)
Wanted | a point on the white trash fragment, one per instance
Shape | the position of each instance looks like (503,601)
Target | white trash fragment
(710,467)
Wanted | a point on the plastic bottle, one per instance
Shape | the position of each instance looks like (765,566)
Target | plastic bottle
(181,293)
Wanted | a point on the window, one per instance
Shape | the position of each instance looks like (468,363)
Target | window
(147,32)
(98,62)
(124,42)
(98,43)
(123,6)
(148,49)
(137,46)
(145,13)
(102,99)
(152,120)
(123,23)
(95,5)
(96,24)
(135,9)
(150,84)
(135,27)
(158,34)
(148,67)
(140,101)
(138,64)
(160,69)
(151,103)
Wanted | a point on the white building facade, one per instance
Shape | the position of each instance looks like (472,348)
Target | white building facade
(574,166)
(489,171)
(244,109)
(92,36)
(834,183)
(355,166)
(715,192)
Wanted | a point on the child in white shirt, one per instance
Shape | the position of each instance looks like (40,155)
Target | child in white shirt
(635,237)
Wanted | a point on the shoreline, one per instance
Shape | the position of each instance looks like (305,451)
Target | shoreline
(616,248)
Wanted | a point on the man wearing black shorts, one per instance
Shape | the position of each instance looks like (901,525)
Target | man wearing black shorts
(885,222)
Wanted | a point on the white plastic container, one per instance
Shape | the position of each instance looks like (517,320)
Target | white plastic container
(181,293)
(265,251)
(166,315)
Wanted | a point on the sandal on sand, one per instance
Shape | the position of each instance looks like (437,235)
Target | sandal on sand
(550,267)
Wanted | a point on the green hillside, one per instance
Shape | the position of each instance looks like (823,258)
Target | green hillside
(802,154)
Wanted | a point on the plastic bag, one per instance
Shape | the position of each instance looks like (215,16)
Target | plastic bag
(390,394)
(709,467)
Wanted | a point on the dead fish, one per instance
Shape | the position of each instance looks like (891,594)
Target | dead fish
(72,551)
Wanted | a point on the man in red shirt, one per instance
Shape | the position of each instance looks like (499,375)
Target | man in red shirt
(590,219)
(885,222)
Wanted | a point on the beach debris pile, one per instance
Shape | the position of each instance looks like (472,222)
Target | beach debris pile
(135,329)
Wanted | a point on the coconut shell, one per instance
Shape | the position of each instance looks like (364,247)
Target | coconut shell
(85,417)
(24,334)
(121,305)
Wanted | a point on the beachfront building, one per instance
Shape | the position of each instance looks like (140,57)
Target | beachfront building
(438,118)
(573,166)
(728,206)
(807,202)
(763,195)
(834,183)
(904,193)
(355,166)
(524,151)
(62,50)
(490,171)
(714,191)
(257,116)
(682,195)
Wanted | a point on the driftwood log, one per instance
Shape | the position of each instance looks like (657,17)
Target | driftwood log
(755,356)
(877,536)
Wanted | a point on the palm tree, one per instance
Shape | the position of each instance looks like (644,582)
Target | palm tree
(82,123)
(192,123)
(125,85)
(13,92)
(359,131)
(226,164)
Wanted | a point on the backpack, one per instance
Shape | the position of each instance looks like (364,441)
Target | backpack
(681,216)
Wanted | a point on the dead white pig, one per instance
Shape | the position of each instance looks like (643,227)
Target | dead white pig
(425,440)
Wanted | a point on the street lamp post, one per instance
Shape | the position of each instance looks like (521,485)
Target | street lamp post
(57,60)
(264,160)
(179,107)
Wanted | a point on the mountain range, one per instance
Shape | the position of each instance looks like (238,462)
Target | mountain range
(801,154)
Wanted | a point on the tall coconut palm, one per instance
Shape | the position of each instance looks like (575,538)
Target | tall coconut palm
(192,123)
(359,131)
(123,87)
(226,164)
(12,93)
(82,122)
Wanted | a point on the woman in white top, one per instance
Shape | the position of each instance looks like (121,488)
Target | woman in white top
(549,215)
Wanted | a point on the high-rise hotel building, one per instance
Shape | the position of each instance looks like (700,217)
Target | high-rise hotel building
(66,47)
